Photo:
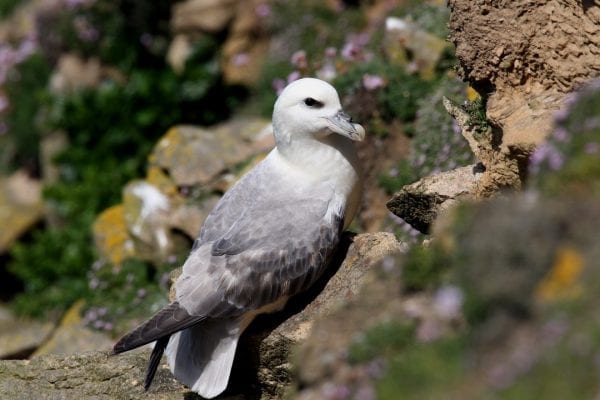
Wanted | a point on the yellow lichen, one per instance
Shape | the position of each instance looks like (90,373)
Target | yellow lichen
(112,237)
(562,281)
(158,178)
(472,94)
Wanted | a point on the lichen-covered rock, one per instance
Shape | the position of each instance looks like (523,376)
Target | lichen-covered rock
(20,207)
(244,50)
(195,156)
(202,15)
(261,370)
(19,337)
(72,336)
(95,375)
(420,203)
(187,170)
(111,236)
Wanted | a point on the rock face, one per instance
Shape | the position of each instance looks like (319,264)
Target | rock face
(261,369)
(20,207)
(419,203)
(20,337)
(187,171)
(531,53)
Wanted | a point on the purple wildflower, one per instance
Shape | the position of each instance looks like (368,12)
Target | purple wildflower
(330,52)
(78,3)
(327,72)
(146,40)
(591,148)
(263,10)
(561,134)
(84,29)
(372,82)
(240,59)
(299,59)
(294,76)
(3,103)
(278,85)
(447,301)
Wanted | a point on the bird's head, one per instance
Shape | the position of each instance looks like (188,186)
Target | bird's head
(310,107)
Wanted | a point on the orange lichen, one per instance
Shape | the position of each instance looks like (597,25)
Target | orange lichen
(562,281)
(112,237)
(157,177)
(471,93)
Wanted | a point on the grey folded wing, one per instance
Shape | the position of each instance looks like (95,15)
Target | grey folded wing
(168,320)
(276,242)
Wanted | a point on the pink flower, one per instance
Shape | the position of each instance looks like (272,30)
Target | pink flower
(372,82)
(3,103)
(299,59)
(240,59)
(263,10)
(294,76)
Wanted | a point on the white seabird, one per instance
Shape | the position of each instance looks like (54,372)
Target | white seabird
(270,237)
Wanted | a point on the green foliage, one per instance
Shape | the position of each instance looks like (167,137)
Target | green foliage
(431,17)
(120,294)
(7,7)
(312,26)
(26,89)
(52,268)
(477,114)
(424,371)
(382,340)
(394,179)
(437,143)
(568,163)
(424,267)
(111,129)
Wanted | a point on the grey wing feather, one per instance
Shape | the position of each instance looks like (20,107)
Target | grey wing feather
(275,242)
(170,319)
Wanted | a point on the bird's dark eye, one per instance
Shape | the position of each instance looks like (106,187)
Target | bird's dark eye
(309,101)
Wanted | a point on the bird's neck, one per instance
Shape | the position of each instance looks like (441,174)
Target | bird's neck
(331,158)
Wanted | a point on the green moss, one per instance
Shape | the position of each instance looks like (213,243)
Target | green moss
(393,180)
(437,145)
(381,341)
(130,291)
(477,114)
(568,163)
(431,17)
(424,267)
(8,6)
(111,129)
(560,374)
(26,91)
(424,371)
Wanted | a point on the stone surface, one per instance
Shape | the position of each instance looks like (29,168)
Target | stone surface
(195,156)
(419,203)
(244,51)
(72,336)
(161,215)
(530,53)
(202,15)
(95,375)
(19,337)
(21,207)
(402,35)
(261,370)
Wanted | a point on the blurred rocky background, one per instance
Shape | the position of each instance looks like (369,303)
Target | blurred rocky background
(122,123)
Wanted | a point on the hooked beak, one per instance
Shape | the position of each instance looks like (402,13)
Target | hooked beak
(342,123)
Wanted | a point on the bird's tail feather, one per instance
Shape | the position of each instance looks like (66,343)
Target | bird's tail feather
(202,356)
(157,352)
